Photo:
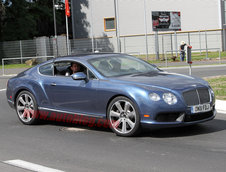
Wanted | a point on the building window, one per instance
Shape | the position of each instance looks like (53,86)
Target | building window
(109,24)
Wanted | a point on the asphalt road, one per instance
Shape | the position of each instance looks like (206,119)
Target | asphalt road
(196,148)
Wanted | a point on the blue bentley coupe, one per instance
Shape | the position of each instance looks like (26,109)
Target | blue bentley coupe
(126,91)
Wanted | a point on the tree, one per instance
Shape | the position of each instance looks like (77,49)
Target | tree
(2,15)
(19,23)
(42,10)
(81,24)
(28,19)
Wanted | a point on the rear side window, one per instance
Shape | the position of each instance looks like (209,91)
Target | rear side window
(46,69)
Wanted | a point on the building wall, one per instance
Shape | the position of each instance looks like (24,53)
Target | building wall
(195,15)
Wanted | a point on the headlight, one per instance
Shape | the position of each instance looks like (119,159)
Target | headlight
(169,98)
(212,95)
(211,91)
(155,97)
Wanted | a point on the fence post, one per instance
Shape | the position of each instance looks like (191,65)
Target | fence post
(175,37)
(96,44)
(171,39)
(69,44)
(3,72)
(145,23)
(163,49)
(124,39)
(189,40)
(21,53)
(206,45)
(166,60)
(200,46)
(220,56)
(156,45)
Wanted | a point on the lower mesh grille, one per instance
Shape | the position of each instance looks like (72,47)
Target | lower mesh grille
(198,117)
(197,96)
(172,117)
(167,117)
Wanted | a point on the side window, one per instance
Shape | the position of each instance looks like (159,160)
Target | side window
(46,69)
(60,68)
(67,68)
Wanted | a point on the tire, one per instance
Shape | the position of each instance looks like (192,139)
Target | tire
(26,108)
(123,117)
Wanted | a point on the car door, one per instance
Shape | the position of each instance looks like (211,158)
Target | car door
(76,96)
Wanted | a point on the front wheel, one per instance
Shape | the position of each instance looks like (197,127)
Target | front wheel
(26,108)
(123,117)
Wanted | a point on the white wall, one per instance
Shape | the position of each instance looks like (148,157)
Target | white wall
(101,9)
(195,14)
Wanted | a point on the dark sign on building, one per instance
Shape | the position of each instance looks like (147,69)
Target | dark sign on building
(166,21)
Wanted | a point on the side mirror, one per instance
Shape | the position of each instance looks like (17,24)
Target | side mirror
(79,76)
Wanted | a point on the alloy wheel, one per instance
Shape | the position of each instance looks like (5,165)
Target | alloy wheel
(122,116)
(25,107)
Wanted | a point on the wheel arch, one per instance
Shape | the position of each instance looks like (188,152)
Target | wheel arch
(19,91)
(123,95)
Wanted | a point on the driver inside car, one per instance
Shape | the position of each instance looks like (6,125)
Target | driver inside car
(75,67)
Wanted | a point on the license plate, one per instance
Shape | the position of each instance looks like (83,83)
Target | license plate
(200,108)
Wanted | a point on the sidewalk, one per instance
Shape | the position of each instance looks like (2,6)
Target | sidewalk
(221,106)
(195,63)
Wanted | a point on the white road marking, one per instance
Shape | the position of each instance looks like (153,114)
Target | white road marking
(30,166)
(2,89)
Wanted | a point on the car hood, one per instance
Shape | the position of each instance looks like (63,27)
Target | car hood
(163,80)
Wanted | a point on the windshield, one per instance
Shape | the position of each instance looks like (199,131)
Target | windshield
(121,65)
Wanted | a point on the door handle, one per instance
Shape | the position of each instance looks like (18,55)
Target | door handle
(53,84)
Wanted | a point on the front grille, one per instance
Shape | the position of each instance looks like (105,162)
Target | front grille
(197,96)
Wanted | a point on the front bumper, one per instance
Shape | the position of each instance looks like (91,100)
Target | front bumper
(188,119)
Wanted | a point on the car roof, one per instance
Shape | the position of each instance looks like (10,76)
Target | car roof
(87,56)
(80,57)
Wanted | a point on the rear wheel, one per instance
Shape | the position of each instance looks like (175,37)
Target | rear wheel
(26,108)
(123,117)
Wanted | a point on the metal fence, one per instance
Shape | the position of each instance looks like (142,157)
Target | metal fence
(201,41)
(29,61)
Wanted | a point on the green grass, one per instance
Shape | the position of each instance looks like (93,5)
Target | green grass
(12,66)
(196,56)
(219,86)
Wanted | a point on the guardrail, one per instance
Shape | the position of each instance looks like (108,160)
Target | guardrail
(19,58)
(193,50)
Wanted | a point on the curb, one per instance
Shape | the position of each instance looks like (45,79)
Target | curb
(221,106)
(194,66)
